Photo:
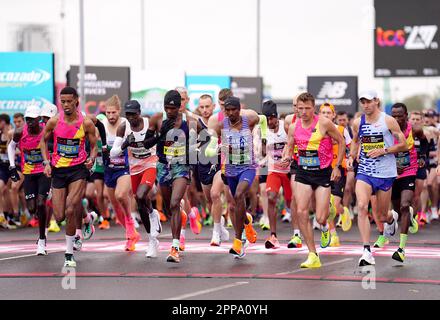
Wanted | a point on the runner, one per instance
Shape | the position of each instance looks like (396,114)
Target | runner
(278,175)
(375,133)
(130,135)
(5,124)
(240,167)
(404,186)
(70,164)
(36,184)
(433,138)
(313,136)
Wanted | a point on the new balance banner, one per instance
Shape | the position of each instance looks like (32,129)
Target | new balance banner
(199,85)
(406,38)
(342,92)
(100,83)
(249,90)
(25,78)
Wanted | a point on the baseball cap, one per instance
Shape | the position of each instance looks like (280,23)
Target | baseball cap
(172,98)
(49,110)
(368,94)
(232,101)
(430,113)
(270,108)
(32,112)
(132,106)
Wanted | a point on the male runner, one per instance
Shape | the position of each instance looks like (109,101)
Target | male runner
(70,164)
(375,133)
(313,136)
(5,124)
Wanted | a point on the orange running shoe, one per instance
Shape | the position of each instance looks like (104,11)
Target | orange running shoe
(184,218)
(236,247)
(33,222)
(251,234)
(105,225)
(131,242)
(174,255)
(194,223)
(163,217)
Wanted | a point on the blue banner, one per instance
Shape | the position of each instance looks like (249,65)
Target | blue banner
(200,85)
(25,78)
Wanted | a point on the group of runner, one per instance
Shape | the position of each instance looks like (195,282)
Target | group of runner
(159,166)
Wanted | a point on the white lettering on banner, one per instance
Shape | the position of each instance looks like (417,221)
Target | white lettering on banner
(421,37)
(21,79)
(334,89)
(21,104)
(336,102)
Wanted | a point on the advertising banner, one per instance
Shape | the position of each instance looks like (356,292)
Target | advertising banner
(249,90)
(25,78)
(342,92)
(406,38)
(199,85)
(100,84)
(151,100)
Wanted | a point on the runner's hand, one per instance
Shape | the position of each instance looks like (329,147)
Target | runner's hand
(166,126)
(350,161)
(376,153)
(13,173)
(336,174)
(89,163)
(285,162)
(128,141)
(48,170)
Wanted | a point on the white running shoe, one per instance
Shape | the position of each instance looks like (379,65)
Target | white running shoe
(215,240)
(316,225)
(367,259)
(434,215)
(134,217)
(224,233)
(153,248)
(41,247)
(389,230)
(155,225)
(287,217)
(77,243)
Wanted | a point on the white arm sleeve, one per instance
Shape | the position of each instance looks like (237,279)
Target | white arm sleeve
(11,152)
(116,149)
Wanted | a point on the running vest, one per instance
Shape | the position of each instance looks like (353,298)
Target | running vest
(407,160)
(175,151)
(4,160)
(240,155)
(140,158)
(433,148)
(31,157)
(69,143)
(275,146)
(120,162)
(315,151)
(202,146)
(421,147)
(336,149)
(295,146)
(376,136)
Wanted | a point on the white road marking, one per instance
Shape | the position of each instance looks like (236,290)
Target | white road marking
(324,265)
(198,293)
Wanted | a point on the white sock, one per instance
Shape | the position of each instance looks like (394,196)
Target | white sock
(324,228)
(176,243)
(434,210)
(69,244)
(182,232)
(217,227)
(192,213)
(296,232)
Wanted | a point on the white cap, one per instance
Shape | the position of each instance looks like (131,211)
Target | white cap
(49,110)
(32,112)
(368,94)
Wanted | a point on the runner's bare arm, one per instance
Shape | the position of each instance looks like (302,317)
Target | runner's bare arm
(48,132)
(334,133)
(354,147)
(13,145)
(288,122)
(90,131)
(288,148)
(214,130)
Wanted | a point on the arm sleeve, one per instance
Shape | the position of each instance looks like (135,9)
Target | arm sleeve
(100,126)
(11,153)
(116,149)
(263,126)
(211,149)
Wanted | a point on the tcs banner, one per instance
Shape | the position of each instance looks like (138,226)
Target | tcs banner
(200,85)
(25,78)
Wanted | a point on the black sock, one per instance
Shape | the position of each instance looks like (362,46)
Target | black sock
(367,247)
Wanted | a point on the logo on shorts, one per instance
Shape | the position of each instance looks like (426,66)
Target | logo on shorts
(411,185)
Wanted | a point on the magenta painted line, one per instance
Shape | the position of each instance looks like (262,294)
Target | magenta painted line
(98,274)
(155,274)
(405,280)
(288,276)
(30,274)
(222,275)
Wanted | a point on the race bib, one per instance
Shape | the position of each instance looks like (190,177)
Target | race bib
(33,156)
(309,159)
(68,148)
(372,142)
(403,160)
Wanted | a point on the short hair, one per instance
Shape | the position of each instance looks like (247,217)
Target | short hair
(6,118)
(306,97)
(224,94)
(18,115)
(416,113)
(342,113)
(113,101)
(181,90)
(400,105)
(205,96)
(69,90)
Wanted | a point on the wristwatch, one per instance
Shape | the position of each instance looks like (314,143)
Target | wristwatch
(386,150)
(46,162)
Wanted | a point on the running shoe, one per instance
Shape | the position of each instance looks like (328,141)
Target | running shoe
(346,222)
(155,225)
(381,242)
(434,216)
(194,223)
(163,217)
(13,223)
(77,243)
(421,218)
(215,240)
(153,248)
(312,261)
(295,242)
(41,247)
(174,255)
(334,242)
(325,238)
(53,227)
(399,255)
(238,249)
(229,224)
(182,242)
(104,225)
(332,210)
(131,242)
(33,222)
(69,261)
(3,222)
(272,242)
(316,225)
(287,218)
(134,216)
(208,221)
(414,227)
(389,230)
(24,218)
(224,233)
(251,234)
(367,259)
(88,227)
